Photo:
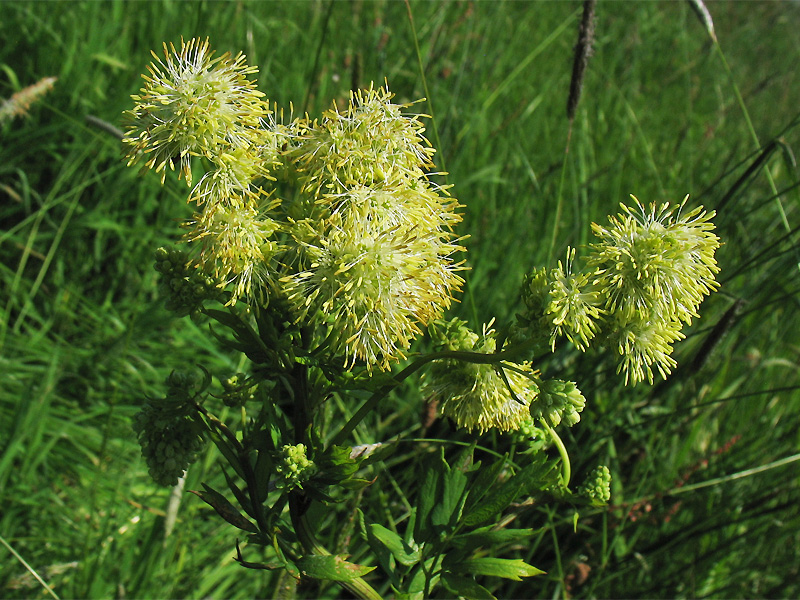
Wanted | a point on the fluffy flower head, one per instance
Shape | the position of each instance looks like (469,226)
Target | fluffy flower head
(375,278)
(655,261)
(369,143)
(237,244)
(482,396)
(641,344)
(193,105)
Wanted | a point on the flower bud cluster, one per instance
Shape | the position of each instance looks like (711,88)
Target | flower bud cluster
(237,391)
(558,302)
(535,438)
(558,401)
(183,285)
(480,396)
(168,431)
(597,486)
(643,280)
(294,466)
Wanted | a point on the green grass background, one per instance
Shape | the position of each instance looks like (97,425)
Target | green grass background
(701,506)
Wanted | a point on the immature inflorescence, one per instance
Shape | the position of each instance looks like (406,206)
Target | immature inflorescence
(183,286)
(294,467)
(169,431)
(597,486)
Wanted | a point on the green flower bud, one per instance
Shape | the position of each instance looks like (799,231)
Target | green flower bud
(597,486)
(169,430)
(184,286)
(237,391)
(295,467)
(558,400)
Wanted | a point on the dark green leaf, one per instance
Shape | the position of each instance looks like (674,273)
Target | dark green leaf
(229,453)
(427,499)
(485,481)
(485,536)
(241,497)
(466,587)
(264,469)
(448,509)
(225,509)
(531,478)
(356,484)
(225,318)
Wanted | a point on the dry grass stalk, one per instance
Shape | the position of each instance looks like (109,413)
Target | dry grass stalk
(19,103)
(583,50)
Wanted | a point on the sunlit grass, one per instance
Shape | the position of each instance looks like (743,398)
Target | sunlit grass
(84,338)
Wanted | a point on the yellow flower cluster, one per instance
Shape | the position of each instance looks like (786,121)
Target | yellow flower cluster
(644,279)
(377,250)
(196,106)
(361,246)
(653,268)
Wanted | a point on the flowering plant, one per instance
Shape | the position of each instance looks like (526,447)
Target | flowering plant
(326,249)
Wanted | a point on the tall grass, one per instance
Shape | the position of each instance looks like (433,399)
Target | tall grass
(84,338)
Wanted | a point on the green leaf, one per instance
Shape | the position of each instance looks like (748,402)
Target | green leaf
(330,566)
(508,568)
(229,453)
(263,470)
(466,587)
(448,510)
(485,481)
(427,499)
(485,536)
(496,502)
(415,588)
(402,552)
(530,478)
(225,318)
(225,509)
(356,483)
(241,497)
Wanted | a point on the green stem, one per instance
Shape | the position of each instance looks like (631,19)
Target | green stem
(559,199)
(298,503)
(566,469)
(425,87)
(357,586)
(30,569)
